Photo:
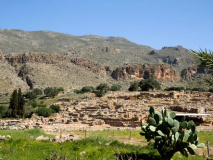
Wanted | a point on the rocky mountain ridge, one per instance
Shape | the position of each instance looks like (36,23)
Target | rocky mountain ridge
(44,58)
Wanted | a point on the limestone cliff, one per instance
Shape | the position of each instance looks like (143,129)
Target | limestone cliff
(144,71)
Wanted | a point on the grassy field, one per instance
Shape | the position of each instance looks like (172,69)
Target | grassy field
(97,146)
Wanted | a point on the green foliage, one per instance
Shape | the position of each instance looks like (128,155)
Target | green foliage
(198,89)
(103,87)
(33,103)
(210,89)
(87,89)
(21,102)
(56,108)
(28,111)
(14,103)
(37,91)
(206,60)
(170,135)
(3,110)
(100,93)
(115,87)
(148,84)
(51,92)
(175,89)
(45,112)
(30,95)
(133,86)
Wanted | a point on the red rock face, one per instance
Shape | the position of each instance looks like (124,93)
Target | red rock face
(145,71)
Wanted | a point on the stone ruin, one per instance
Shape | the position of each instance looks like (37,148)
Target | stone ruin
(120,110)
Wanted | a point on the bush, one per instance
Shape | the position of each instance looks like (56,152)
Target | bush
(33,103)
(198,89)
(45,112)
(103,87)
(30,95)
(100,93)
(176,89)
(77,91)
(60,89)
(51,92)
(56,108)
(28,112)
(148,84)
(87,89)
(3,110)
(37,91)
(133,86)
(211,90)
(115,87)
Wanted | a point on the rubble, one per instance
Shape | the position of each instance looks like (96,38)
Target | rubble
(118,110)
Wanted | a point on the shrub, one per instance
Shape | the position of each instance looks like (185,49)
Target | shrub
(170,135)
(134,86)
(60,89)
(211,90)
(103,87)
(37,91)
(77,91)
(198,89)
(56,108)
(45,112)
(100,93)
(148,84)
(87,89)
(51,92)
(176,89)
(28,112)
(3,110)
(30,95)
(115,87)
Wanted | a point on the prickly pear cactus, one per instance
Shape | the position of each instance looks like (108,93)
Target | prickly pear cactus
(170,135)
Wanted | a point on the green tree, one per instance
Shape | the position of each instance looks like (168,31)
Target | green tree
(30,95)
(21,102)
(169,135)
(51,92)
(14,103)
(148,84)
(37,91)
(206,60)
(134,86)
(101,89)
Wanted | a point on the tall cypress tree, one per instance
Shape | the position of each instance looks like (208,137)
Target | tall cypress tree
(14,103)
(21,103)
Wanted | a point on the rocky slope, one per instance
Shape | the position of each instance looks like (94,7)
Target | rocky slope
(44,58)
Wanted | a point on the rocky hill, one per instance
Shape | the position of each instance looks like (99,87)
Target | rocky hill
(43,58)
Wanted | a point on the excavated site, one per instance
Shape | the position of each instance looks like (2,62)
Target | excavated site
(120,110)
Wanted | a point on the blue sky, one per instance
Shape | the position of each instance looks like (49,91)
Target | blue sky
(156,23)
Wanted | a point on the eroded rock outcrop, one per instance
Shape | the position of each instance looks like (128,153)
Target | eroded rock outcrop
(32,57)
(144,71)
(191,73)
